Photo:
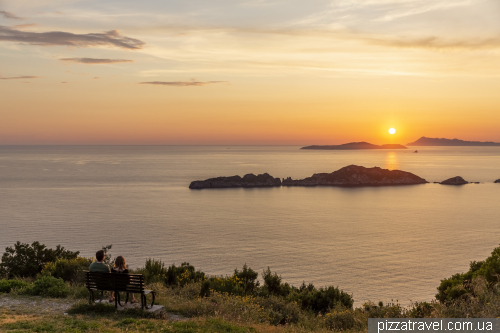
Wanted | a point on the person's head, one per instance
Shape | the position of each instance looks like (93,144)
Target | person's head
(120,263)
(99,255)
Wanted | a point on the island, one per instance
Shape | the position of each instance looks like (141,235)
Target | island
(249,180)
(423,141)
(354,175)
(356,145)
(454,181)
(497,181)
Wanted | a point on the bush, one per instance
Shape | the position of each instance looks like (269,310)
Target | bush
(279,311)
(7,285)
(48,286)
(340,320)
(458,284)
(24,260)
(153,271)
(321,300)
(231,285)
(182,275)
(68,269)
(248,278)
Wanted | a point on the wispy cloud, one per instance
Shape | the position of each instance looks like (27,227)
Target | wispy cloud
(9,15)
(182,83)
(19,77)
(52,38)
(27,25)
(95,61)
(437,43)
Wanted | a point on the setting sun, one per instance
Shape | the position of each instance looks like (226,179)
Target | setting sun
(392,130)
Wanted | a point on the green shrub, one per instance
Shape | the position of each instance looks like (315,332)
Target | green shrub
(248,278)
(321,300)
(272,282)
(231,285)
(458,284)
(280,311)
(182,275)
(340,320)
(7,285)
(48,286)
(391,310)
(68,269)
(24,260)
(153,271)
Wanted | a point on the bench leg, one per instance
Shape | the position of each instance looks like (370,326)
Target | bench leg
(91,296)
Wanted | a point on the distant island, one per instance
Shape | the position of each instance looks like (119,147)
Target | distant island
(249,180)
(354,175)
(423,141)
(351,175)
(356,145)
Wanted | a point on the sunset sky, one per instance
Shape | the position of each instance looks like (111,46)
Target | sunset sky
(248,72)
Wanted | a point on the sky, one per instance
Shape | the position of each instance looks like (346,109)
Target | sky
(253,72)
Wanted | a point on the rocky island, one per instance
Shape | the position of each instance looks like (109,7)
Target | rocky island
(454,181)
(249,180)
(497,181)
(423,141)
(354,175)
(356,145)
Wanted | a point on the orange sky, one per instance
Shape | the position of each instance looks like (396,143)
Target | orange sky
(249,72)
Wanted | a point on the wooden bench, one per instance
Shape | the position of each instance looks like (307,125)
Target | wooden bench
(118,282)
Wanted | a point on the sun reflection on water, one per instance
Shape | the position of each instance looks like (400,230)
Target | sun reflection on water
(391,161)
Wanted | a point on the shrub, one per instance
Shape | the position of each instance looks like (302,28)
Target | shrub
(340,320)
(7,285)
(321,300)
(182,275)
(48,286)
(248,278)
(231,285)
(458,284)
(272,282)
(153,271)
(279,311)
(24,260)
(67,269)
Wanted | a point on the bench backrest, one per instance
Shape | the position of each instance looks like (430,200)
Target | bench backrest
(133,283)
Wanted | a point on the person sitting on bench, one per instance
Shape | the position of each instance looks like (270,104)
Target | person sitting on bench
(99,265)
(121,267)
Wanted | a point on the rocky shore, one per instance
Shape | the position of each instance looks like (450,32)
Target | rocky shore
(354,175)
(454,181)
(249,180)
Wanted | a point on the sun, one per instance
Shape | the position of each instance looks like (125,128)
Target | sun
(392,130)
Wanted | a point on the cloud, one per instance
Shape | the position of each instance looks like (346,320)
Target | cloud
(19,77)
(52,38)
(438,43)
(27,25)
(182,83)
(94,61)
(9,15)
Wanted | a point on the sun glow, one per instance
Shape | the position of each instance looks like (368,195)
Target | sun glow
(392,130)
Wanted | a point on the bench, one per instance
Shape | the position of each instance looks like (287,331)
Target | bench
(118,282)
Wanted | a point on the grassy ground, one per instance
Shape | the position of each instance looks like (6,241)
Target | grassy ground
(187,312)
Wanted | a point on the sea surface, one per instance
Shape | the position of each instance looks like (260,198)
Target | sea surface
(376,243)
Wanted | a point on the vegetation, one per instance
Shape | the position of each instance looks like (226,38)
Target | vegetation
(460,285)
(239,302)
(24,260)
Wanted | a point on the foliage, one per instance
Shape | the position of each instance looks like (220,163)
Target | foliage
(24,260)
(459,285)
(272,282)
(341,320)
(48,286)
(153,271)
(108,258)
(182,275)
(279,311)
(248,278)
(7,285)
(68,269)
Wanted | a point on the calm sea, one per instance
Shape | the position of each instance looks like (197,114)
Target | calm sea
(378,243)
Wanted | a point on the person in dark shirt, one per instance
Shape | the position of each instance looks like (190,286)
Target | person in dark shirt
(99,265)
(120,266)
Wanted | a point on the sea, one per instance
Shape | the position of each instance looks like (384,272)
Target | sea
(390,244)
